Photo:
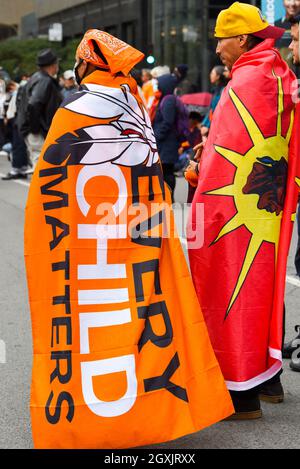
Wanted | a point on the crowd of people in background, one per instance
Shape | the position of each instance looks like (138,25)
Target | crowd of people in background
(177,127)
(27,107)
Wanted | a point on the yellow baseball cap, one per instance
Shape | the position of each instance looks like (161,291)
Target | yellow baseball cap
(241,18)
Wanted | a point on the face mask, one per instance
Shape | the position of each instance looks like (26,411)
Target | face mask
(75,71)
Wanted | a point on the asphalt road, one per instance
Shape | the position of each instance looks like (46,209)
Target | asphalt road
(279,428)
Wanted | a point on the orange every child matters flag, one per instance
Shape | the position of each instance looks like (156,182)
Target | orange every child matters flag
(122,356)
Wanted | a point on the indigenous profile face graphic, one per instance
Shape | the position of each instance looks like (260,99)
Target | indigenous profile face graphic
(268,180)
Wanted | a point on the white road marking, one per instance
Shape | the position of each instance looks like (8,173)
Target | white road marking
(2,351)
(293,281)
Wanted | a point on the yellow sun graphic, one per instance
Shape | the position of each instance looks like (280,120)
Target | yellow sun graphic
(263,225)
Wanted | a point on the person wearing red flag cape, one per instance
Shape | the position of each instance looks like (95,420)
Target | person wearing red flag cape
(247,182)
(122,356)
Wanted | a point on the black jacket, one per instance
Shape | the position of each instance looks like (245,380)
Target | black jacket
(41,99)
(164,124)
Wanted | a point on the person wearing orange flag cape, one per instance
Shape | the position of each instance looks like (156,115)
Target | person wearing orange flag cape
(122,356)
(248,184)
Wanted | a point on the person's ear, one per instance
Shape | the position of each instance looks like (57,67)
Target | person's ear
(243,40)
(83,67)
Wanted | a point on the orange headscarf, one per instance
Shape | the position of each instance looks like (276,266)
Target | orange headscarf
(120,57)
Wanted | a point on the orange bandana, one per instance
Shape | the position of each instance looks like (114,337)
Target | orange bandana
(121,57)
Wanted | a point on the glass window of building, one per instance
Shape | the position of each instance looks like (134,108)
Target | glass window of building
(183,32)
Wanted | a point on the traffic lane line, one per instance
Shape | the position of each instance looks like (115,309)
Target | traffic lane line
(293,280)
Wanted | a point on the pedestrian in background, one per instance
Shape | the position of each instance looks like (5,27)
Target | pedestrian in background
(10,87)
(40,99)
(294,47)
(2,111)
(227,74)
(147,87)
(19,159)
(138,76)
(291,347)
(164,126)
(184,85)
(292,9)
(69,86)
(146,76)
(150,88)
(218,81)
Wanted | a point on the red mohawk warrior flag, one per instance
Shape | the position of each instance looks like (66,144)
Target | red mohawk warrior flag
(248,185)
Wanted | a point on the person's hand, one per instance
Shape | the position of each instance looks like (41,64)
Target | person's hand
(198,149)
(191,173)
(180,151)
(204,131)
(192,166)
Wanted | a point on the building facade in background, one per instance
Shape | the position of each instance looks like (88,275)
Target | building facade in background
(183,32)
(173,31)
(127,19)
(11,12)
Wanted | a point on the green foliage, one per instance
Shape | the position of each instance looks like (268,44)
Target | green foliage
(19,56)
